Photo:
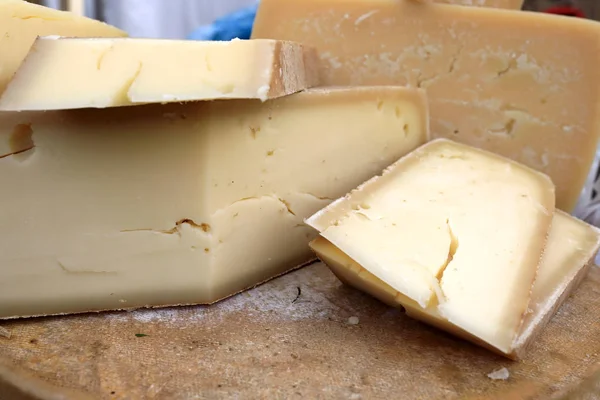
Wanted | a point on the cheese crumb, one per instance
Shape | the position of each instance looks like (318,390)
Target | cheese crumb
(353,321)
(263,92)
(500,374)
(5,333)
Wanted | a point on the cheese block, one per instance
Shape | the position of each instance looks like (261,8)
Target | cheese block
(189,203)
(570,251)
(67,73)
(21,22)
(521,84)
(452,228)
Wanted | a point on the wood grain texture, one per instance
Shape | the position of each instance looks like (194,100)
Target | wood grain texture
(273,343)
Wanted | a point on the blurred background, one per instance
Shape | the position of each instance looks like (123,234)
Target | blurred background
(169,19)
(193,19)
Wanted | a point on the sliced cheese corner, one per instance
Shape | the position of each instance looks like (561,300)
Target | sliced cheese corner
(67,73)
(456,230)
(520,84)
(159,205)
(21,22)
(570,252)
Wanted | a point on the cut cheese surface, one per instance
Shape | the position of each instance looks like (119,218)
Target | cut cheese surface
(520,84)
(67,73)
(569,252)
(449,226)
(160,205)
(21,22)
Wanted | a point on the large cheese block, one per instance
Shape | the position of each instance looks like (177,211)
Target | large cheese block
(172,204)
(569,253)
(67,73)
(521,84)
(21,22)
(457,231)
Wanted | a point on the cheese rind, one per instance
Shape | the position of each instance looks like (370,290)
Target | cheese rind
(520,84)
(172,204)
(21,22)
(569,253)
(453,228)
(67,73)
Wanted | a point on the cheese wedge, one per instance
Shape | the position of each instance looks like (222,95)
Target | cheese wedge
(452,228)
(62,73)
(570,251)
(521,84)
(172,204)
(21,22)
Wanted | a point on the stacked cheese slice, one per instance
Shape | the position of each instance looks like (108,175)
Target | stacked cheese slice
(462,239)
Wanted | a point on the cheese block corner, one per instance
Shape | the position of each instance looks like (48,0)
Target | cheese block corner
(439,227)
(21,22)
(110,72)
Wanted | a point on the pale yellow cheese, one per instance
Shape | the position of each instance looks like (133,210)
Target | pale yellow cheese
(525,85)
(570,251)
(21,22)
(155,205)
(452,228)
(65,73)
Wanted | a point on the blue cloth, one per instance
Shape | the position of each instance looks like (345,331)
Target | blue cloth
(235,25)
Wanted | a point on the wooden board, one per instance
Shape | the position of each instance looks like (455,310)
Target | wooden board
(273,343)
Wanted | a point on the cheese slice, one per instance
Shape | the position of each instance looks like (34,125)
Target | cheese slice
(189,203)
(21,22)
(570,251)
(452,228)
(520,84)
(67,73)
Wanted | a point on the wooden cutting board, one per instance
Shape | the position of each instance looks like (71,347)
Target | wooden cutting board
(291,338)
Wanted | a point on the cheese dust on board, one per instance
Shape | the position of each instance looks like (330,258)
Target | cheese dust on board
(520,84)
